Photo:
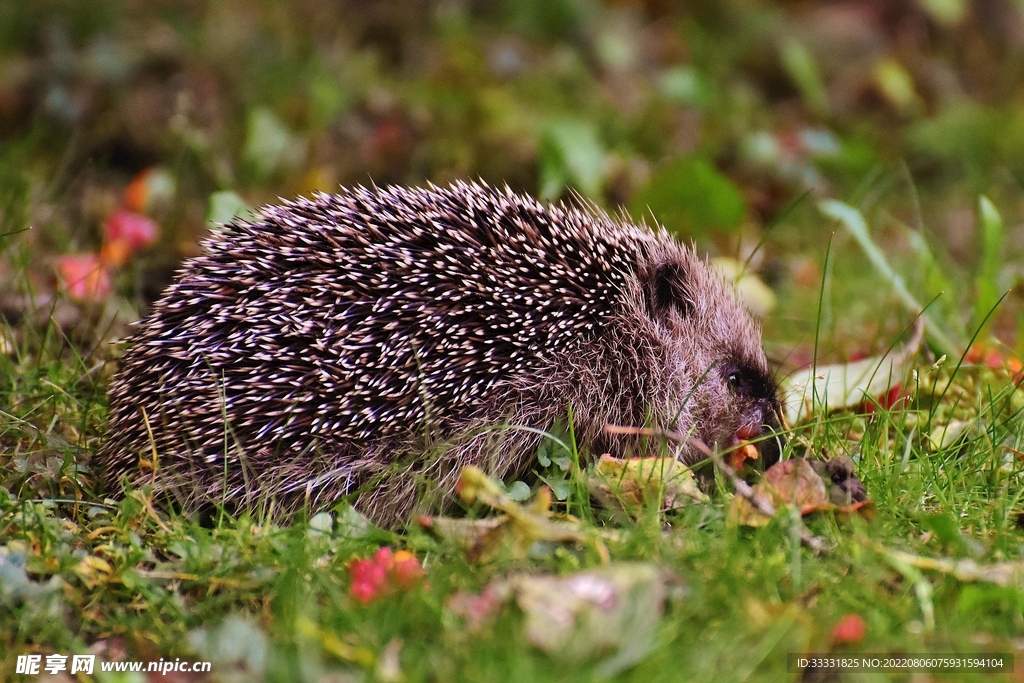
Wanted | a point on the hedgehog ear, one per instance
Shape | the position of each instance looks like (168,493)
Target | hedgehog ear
(667,289)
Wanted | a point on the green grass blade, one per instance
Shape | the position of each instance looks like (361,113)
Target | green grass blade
(854,222)
(986,281)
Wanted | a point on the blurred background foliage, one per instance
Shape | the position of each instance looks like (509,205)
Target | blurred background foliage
(725,120)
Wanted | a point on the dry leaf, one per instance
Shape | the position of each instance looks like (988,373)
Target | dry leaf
(480,537)
(738,457)
(836,387)
(613,610)
(638,482)
(521,525)
(1010,574)
(790,482)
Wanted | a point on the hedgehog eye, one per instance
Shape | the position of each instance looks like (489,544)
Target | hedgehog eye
(667,290)
(740,380)
(748,382)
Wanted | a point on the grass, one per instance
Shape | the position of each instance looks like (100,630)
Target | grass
(77,569)
(81,572)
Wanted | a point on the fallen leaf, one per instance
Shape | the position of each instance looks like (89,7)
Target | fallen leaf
(789,482)
(836,387)
(84,277)
(480,537)
(1009,574)
(133,229)
(93,570)
(794,482)
(613,611)
(638,482)
(527,524)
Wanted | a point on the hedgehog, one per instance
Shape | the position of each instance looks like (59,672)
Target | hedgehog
(367,345)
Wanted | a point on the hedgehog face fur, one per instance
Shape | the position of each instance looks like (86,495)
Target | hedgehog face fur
(325,347)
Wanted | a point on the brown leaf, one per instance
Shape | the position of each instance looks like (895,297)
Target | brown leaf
(480,537)
(790,482)
(811,485)
(794,482)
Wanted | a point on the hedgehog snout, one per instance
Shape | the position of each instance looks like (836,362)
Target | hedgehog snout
(731,419)
(763,430)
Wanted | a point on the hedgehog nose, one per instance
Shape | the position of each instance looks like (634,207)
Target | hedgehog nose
(748,432)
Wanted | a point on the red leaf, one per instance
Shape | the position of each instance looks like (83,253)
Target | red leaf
(84,276)
(135,230)
(889,400)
